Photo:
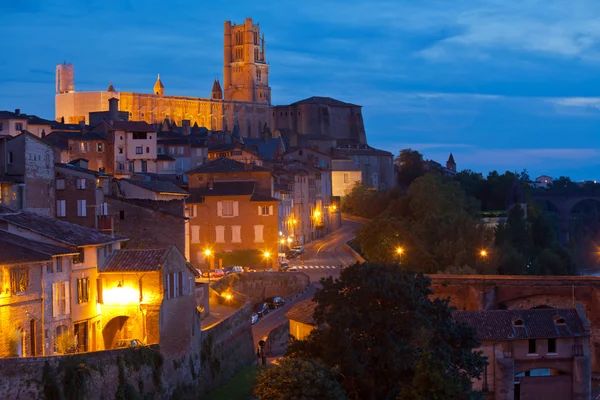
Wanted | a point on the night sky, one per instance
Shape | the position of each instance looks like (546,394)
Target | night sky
(502,84)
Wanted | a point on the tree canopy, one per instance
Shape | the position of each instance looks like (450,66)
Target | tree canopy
(387,339)
(410,166)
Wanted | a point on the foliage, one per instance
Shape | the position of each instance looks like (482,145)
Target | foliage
(65,342)
(436,224)
(125,390)
(385,335)
(366,202)
(298,379)
(459,270)
(239,387)
(76,373)
(139,356)
(493,192)
(410,166)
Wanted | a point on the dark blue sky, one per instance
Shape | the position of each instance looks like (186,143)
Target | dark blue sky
(503,85)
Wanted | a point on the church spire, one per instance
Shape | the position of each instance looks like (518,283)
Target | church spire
(159,87)
(111,87)
(217,92)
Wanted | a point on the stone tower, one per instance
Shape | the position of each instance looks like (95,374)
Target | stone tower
(159,87)
(245,70)
(217,92)
(451,164)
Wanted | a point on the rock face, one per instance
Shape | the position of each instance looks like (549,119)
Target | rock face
(257,286)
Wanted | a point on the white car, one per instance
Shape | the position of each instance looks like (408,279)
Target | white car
(254,318)
(292,269)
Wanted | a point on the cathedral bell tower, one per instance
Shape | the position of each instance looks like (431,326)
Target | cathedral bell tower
(245,70)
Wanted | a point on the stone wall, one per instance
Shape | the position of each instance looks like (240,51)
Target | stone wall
(227,348)
(257,286)
(278,339)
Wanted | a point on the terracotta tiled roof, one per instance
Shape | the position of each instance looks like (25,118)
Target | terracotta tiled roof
(536,324)
(303,312)
(16,249)
(135,260)
(223,164)
(234,188)
(65,232)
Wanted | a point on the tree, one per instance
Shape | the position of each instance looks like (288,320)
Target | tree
(379,239)
(410,166)
(385,335)
(298,379)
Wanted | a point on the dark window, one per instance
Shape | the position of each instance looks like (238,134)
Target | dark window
(10,157)
(59,262)
(50,267)
(140,135)
(1,126)
(147,149)
(532,346)
(139,150)
(132,166)
(83,290)
(79,258)
(144,166)
(100,147)
(551,345)
(18,126)
(121,214)
(120,150)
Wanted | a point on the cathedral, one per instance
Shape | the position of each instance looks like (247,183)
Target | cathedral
(244,100)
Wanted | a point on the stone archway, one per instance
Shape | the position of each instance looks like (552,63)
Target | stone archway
(121,327)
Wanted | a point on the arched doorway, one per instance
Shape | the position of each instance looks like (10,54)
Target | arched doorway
(121,327)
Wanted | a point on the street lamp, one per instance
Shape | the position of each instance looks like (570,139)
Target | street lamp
(282,243)
(483,254)
(399,252)
(207,253)
(267,255)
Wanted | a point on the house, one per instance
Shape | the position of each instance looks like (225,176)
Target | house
(345,174)
(135,283)
(301,319)
(27,173)
(235,151)
(14,123)
(150,223)
(181,148)
(92,248)
(80,196)
(70,145)
(538,353)
(233,209)
(34,305)
(543,181)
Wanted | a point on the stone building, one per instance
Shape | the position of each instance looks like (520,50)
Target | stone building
(134,283)
(244,100)
(233,208)
(77,287)
(80,144)
(14,123)
(142,187)
(27,173)
(533,354)
(301,319)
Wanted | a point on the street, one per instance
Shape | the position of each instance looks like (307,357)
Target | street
(321,258)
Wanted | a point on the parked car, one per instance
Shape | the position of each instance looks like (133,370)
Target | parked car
(292,269)
(290,255)
(236,269)
(213,273)
(298,249)
(275,302)
(254,318)
(283,265)
(261,309)
(124,343)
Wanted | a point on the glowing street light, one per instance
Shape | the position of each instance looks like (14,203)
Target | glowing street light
(483,253)
(399,251)
(207,252)
(267,255)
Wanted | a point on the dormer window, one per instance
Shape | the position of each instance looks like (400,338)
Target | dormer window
(560,321)
(518,323)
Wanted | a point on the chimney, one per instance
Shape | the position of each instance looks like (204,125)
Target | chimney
(186,129)
(18,111)
(113,109)
(43,133)
(82,126)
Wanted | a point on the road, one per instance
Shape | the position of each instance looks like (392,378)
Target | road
(321,258)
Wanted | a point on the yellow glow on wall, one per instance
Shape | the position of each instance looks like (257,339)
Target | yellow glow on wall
(121,296)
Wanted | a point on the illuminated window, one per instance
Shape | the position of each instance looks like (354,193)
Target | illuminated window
(100,147)
(19,280)
(220,234)
(80,184)
(258,233)
(83,290)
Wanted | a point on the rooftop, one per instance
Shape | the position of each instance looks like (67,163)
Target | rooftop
(16,249)
(79,169)
(135,260)
(221,188)
(524,324)
(225,165)
(157,186)
(65,232)
(326,101)
(302,312)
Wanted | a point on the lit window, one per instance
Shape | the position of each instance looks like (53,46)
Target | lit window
(80,184)
(83,290)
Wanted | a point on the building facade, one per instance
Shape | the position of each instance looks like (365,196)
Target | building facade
(243,102)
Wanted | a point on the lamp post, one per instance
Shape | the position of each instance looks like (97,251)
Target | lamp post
(281,244)
(483,254)
(399,251)
(207,253)
(267,255)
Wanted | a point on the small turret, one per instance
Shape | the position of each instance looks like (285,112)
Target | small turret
(217,92)
(451,164)
(110,87)
(158,87)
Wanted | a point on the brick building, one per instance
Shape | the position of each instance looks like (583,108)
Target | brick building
(150,224)
(72,145)
(80,196)
(14,123)
(233,208)
(135,283)
(533,354)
